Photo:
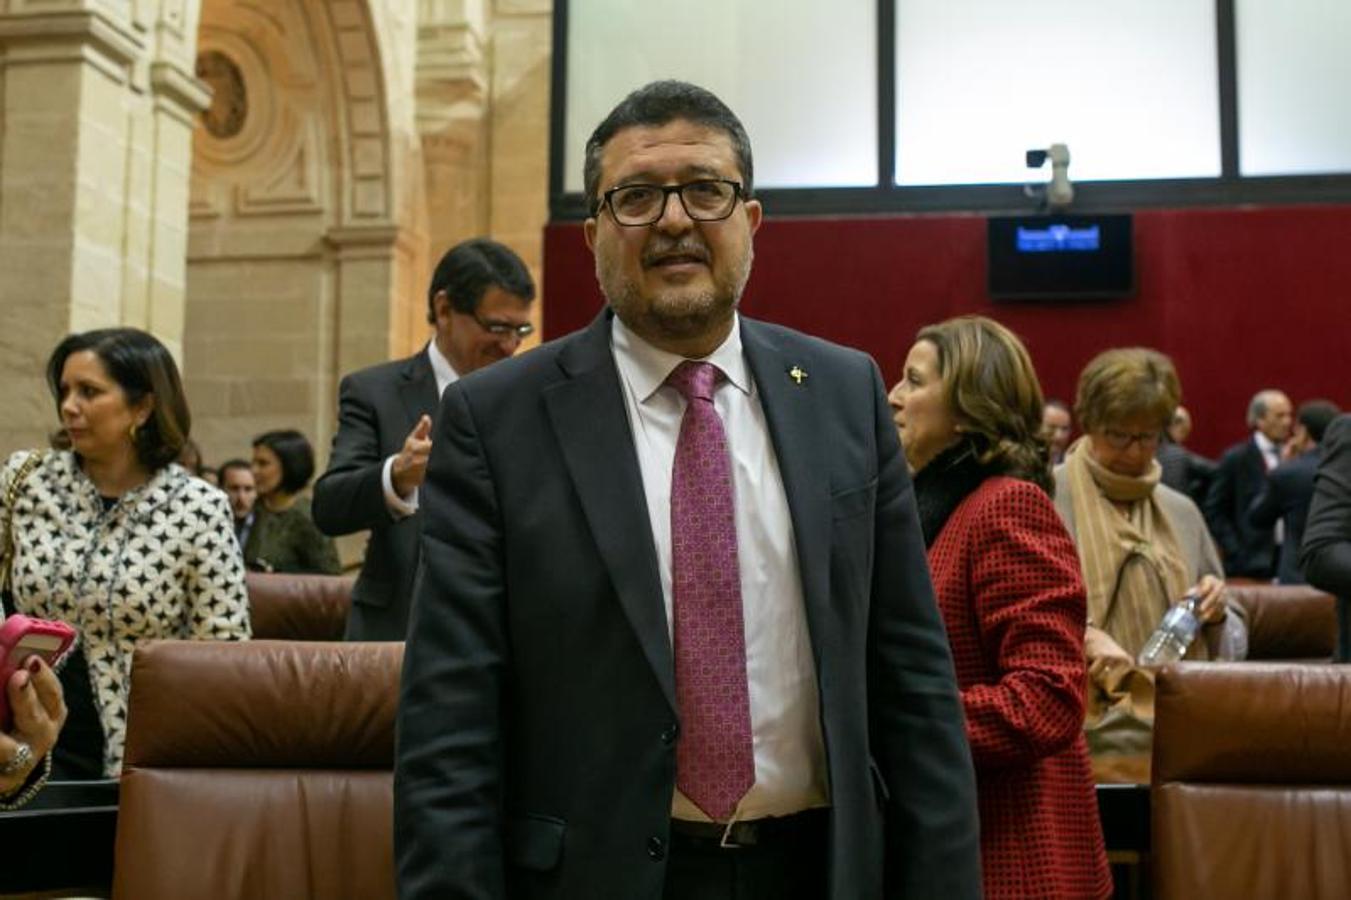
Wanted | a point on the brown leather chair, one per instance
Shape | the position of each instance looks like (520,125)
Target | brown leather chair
(298,607)
(1288,621)
(259,769)
(1252,782)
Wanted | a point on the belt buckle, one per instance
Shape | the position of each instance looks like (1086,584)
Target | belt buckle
(746,836)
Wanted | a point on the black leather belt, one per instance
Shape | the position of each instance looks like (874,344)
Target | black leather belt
(767,832)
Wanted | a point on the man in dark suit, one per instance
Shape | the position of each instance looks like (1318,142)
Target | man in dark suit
(479,303)
(1182,470)
(1289,487)
(1326,554)
(1248,552)
(675,635)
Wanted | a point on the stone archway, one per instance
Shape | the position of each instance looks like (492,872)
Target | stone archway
(302,246)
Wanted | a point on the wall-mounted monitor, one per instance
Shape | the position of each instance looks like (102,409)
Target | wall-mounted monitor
(1060,257)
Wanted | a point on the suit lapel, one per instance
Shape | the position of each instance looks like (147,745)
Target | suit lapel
(587,413)
(417,389)
(795,429)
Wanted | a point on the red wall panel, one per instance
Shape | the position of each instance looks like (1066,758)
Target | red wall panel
(1241,298)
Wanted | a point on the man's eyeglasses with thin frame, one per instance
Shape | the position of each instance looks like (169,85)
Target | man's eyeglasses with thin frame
(1120,440)
(502,329)
(705,200)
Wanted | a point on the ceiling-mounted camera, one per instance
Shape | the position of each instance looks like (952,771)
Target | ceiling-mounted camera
(1058,193)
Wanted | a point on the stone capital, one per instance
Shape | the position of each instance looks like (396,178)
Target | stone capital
(179,92)
(363,241)
(452,63)
(76,35)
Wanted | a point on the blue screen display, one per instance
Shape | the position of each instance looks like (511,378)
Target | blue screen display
(1058,239)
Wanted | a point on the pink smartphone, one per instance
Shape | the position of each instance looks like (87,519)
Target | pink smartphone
(22,637)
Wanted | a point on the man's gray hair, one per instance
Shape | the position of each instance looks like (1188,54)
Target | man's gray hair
(1257,406)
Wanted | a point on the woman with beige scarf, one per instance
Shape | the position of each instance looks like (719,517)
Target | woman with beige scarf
(1142,546)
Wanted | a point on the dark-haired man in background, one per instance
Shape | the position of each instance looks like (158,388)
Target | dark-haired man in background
(479,302)
(675,636)
(1289,487)
(236,479)
(1058,425)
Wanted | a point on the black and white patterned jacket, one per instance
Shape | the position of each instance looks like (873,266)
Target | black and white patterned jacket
(161,563)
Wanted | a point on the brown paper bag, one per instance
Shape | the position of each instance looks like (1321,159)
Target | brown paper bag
(1119,723)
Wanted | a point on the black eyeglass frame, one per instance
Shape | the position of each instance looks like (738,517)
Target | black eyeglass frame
(607,200)
(502,329)
(1122,440)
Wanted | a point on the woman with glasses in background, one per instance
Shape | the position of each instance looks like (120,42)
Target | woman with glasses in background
(1142,545)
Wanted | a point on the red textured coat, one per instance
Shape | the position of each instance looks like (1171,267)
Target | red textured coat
(1007,580)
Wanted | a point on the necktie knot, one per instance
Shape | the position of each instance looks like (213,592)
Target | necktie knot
(695,380)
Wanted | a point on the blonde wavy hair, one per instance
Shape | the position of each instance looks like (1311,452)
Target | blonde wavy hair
(991,387)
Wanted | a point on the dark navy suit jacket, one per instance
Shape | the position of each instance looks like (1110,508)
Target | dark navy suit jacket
(537,718)
(377,408)
(1286,495)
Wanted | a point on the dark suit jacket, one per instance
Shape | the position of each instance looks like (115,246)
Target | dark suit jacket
(1247,551)
(537,719)
(377,407)
(1327,537)
(1286,495)
(1184,471)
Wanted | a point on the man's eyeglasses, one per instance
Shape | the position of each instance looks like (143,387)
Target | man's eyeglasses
(707,200)
(502,329)
(1120,440)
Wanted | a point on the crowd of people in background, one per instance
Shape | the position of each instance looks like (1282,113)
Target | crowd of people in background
(1255,499)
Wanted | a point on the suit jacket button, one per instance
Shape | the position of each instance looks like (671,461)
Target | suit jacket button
(668,736)
(656,848)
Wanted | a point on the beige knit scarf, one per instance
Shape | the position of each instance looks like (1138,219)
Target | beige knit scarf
(1133,567)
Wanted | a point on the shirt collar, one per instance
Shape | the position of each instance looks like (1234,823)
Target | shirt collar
(646,367)
(1265,444)
(445,373)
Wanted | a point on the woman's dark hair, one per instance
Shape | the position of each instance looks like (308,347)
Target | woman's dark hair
(993,391)
(142,367)
(295,454)
(190,457)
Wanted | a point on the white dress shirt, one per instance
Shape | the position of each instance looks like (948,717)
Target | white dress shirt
(1271,455)
(402,507)
(784,700)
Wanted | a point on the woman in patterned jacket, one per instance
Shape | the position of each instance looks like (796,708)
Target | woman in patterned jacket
(1006,578)
(113,538)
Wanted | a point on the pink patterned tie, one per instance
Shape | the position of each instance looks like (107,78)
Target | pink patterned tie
(715,763)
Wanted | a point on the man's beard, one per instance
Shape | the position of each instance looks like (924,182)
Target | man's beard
(675,313)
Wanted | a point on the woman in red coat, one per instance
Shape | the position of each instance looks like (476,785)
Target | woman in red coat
(1007,580)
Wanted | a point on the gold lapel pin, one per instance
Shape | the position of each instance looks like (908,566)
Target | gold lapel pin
(798,374)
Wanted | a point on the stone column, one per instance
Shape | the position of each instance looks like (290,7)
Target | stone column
(452,117)
(95,139)
(519,176)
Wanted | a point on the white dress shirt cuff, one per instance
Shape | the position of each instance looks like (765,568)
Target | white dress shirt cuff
(399,507)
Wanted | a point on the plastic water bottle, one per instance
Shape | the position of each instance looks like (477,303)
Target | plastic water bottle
(1175,634)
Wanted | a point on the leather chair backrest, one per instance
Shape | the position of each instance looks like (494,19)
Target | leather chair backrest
(1288,621)
(259,769)
(1252,781)
(286,607)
